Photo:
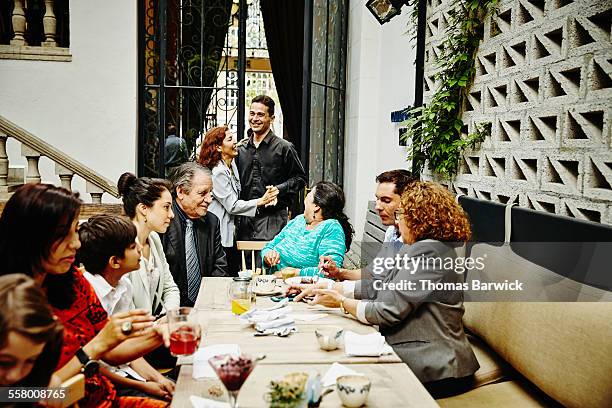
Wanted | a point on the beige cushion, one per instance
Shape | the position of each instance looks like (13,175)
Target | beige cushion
(563,348)
(492,367)
(509,394)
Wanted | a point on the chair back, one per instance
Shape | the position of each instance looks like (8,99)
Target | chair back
(254,247)
(75,391)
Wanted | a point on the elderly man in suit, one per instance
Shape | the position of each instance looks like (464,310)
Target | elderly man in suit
(192,242)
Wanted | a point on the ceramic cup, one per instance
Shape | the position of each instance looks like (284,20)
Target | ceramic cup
(329,337)
(353,390)
(265,283)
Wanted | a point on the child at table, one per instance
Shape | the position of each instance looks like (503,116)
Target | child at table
(109,250)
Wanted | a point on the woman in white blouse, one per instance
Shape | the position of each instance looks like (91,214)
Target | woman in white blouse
(148,203)
(217,153)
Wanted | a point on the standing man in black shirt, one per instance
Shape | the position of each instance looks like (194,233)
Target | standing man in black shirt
(267,161)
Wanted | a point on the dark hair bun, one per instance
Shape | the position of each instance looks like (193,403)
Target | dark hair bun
(125,183)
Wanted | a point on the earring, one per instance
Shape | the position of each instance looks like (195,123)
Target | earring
(145,219)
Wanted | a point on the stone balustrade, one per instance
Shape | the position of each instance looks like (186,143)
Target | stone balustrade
(44,45)
(33,148)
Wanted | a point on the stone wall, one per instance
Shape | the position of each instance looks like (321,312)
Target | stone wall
(544,83)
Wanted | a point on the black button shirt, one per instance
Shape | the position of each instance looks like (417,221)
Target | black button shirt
(274,162)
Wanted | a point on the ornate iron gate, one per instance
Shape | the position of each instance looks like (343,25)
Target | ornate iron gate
(183,49)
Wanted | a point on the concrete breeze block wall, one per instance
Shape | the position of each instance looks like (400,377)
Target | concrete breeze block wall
(544,83)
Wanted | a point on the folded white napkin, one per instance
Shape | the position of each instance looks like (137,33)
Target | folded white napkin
(199,402)
(201,368)
(259,316)
(336,370)
(365,345)
(274,324)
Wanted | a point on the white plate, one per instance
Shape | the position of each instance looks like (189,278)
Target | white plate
(276,291)
(298,279)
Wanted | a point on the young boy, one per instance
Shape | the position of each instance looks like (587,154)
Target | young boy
(109,250)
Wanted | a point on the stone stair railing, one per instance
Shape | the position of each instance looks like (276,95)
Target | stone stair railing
(32,148)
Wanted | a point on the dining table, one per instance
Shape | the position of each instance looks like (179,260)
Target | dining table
(393,383)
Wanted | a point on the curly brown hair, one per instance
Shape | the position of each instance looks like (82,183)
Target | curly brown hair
(209,155)
(431,212)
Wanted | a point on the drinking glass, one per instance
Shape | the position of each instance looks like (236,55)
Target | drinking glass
(241,295)
(184,331)
(233,371)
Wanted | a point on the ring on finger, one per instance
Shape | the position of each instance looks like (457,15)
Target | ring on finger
(126,328)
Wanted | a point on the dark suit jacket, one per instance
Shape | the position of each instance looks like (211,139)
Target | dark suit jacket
(210,252)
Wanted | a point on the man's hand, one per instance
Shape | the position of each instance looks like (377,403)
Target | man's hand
(272,258)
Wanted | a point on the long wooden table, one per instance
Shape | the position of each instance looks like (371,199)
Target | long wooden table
(393,383)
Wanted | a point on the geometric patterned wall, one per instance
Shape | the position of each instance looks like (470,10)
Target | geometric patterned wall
(544,83)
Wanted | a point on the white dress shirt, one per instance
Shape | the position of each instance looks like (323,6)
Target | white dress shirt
(114,299)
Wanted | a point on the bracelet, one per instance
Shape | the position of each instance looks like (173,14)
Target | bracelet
(342,305)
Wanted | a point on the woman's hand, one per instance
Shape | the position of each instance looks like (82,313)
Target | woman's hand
(156,389)
(326,297)
(268,197)
(112,334)
(272,258)
(329,269)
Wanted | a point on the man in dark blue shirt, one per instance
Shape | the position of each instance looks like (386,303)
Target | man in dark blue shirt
(267,161)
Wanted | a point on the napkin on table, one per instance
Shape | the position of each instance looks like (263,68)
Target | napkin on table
(365,345)
(199,402)
(336,370)
(201,368)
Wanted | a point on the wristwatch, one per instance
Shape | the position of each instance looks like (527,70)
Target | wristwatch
(90,366)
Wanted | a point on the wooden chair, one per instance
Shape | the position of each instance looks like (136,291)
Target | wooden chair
(252,246)
(75,391)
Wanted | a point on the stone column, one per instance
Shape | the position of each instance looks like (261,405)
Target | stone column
(19,23)
(50,24)
(95,192)
(4,163)
(32,156)
(65,176)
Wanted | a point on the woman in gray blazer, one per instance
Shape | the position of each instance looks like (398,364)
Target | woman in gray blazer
(217,153)
(422,319)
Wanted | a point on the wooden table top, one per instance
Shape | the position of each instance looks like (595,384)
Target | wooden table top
(393,383)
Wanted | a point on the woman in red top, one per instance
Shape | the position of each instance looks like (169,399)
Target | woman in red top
(38,237)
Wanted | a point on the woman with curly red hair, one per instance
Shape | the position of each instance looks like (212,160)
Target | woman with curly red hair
(217,153)
(422,321)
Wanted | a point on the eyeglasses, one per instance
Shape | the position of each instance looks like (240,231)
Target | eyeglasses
(399,214)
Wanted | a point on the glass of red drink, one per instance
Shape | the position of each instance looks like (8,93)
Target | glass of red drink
(233,371)
(184,331)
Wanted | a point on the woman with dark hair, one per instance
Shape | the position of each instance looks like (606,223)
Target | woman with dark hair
(148,203)
(323,230)
(48,257)
(422,324)
(30,336)
(217,153)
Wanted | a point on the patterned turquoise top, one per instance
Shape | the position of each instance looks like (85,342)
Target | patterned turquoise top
(301,248)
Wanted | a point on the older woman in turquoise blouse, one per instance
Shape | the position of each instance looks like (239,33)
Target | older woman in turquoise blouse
(323,230)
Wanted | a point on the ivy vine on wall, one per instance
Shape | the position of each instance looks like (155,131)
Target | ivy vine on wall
(436,128)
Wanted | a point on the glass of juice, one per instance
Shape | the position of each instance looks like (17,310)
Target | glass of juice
(241,295)
(184,331)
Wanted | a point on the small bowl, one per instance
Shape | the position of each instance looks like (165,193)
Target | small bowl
(353,390)
(329,337)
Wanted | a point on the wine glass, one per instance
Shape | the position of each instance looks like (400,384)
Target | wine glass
(184,331)
(233,371)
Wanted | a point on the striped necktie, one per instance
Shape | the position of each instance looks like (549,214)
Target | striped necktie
(192,263)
